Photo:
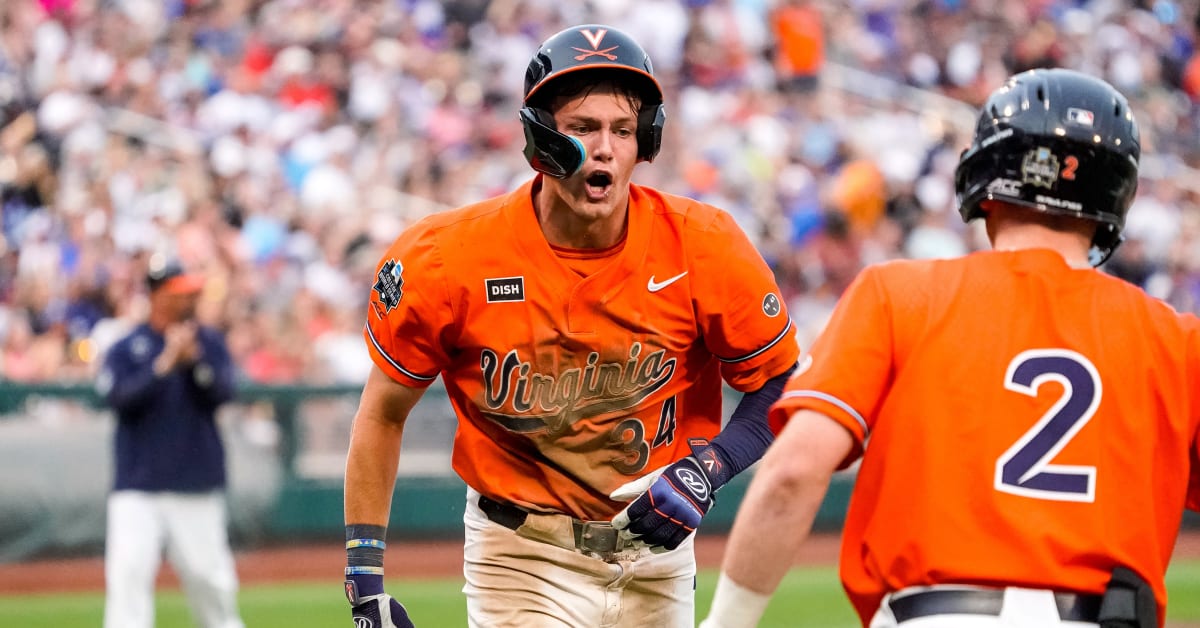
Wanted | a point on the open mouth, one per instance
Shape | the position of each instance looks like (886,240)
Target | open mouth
(597,185)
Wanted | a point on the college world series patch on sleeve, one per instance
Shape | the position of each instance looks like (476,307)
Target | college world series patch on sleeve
(389,283)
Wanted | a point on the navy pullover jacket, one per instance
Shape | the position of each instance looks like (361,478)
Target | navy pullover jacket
(167,437)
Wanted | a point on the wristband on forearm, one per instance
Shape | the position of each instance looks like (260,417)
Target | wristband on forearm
(364,558)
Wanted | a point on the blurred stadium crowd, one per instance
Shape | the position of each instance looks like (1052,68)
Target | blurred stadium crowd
(280,145)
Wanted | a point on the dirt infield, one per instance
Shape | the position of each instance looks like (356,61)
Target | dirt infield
(323,562)
(407,560)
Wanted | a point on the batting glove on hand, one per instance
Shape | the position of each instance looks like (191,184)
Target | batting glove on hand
(663,515)
(376,611)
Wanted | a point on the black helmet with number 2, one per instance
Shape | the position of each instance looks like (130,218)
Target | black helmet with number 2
(592,48)
(1058,141)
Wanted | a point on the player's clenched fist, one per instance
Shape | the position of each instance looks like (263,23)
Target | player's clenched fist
(663,515)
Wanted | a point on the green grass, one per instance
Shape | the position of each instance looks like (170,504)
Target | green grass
(1183,591)
(807,597)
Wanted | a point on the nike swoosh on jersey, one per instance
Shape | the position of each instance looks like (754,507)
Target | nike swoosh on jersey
(654,286)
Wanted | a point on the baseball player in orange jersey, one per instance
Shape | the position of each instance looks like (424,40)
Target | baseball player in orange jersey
(1027,425)
(583,326)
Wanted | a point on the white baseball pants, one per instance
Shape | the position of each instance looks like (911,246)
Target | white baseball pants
(516,581)
(192,530)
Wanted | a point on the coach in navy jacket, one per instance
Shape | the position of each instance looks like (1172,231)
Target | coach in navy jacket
(165,382)
(166,436)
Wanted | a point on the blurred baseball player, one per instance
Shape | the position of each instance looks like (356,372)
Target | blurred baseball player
(582,325)
(1027,425)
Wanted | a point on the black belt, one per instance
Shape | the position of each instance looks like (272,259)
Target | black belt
(594,537)
(1071,606)
(506,515)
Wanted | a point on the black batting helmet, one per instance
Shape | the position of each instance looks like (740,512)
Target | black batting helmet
(1058,141)
(595,48)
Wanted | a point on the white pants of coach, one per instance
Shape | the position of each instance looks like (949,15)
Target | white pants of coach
(1023,608)
(191,528)
(513,581)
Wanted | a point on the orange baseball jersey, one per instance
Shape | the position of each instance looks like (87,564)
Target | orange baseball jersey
(1024,423)
(568,387)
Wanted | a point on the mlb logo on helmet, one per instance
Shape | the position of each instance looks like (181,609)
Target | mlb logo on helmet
(1081,117)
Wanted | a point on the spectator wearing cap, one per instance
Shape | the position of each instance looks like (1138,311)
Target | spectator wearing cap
(165,382)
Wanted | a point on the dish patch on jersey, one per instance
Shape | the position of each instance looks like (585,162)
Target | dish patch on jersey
(771,305)
(1039,167)
(505,289)
(389,283)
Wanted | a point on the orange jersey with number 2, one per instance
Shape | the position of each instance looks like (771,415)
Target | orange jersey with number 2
(568,387)
(1029,424)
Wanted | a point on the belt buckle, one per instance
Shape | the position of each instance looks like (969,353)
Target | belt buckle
(598,537)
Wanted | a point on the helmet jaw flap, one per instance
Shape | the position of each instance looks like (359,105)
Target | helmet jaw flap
(548,150)
(1057,141)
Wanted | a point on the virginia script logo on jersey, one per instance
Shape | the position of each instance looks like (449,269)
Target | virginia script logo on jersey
(556,400)
(388,284)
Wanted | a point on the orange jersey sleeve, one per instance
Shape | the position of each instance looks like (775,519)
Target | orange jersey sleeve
(409,315)
(566,387)
(1020,422)
(859,326)
(742,317)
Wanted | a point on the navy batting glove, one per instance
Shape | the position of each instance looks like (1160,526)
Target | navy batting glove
(375,609)
(678,497)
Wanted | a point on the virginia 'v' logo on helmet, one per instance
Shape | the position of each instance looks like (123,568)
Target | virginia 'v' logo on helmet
(590,47)
(1058,141)
(594,38)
